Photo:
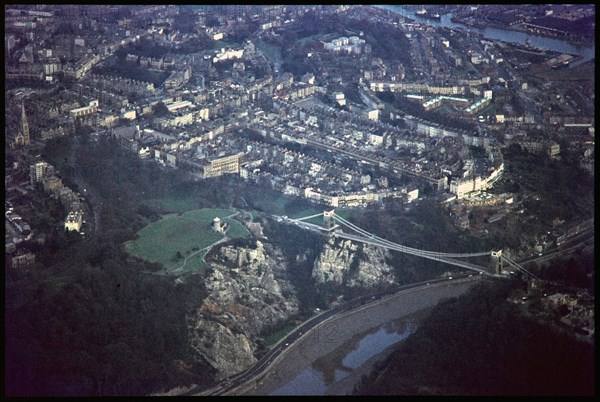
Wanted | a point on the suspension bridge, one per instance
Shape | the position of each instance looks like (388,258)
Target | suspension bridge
(336,226)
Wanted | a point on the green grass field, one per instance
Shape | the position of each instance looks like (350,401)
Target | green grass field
(176,204)
(277,204)
(188,231)
(185,233)
(236,229)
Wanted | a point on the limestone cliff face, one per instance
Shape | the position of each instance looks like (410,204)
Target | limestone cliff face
(223,349)
(248,290)
(346,263)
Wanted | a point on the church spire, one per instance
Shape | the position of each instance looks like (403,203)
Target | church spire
(24,125)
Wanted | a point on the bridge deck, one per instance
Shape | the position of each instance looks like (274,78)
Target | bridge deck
(365,237)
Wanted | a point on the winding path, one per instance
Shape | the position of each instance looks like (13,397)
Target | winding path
(207,248)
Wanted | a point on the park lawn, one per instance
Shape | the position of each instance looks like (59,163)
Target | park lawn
(306,39)
(236,229)
(207,214)
(348,213)
(196,263)
(184,233)
(278,204)
(160,241)
(270,202)
(176,204)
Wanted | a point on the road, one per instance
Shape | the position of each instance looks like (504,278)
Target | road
(323,333)
(86,191)
(420,253)
(332,332)
(568,246)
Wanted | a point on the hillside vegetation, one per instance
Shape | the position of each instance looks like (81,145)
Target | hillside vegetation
(478,344)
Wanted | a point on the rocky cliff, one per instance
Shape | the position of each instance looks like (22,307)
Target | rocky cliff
(248,291)
(355,265)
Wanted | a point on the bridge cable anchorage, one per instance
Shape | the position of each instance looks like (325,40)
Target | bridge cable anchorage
(377,241)
(307,217)
(425,252)
(517,266)
(310,226)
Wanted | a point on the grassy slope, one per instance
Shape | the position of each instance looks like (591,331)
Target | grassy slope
(161,240)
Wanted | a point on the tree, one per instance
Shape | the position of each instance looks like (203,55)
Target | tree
(160,109)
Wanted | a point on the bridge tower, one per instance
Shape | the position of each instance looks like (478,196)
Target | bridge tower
(496,261)
(328,221)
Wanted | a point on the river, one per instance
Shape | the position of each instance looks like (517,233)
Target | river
(505,35)
(325,376)
(332,357)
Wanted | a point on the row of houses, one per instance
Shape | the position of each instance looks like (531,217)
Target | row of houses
(465,187)
(43,172)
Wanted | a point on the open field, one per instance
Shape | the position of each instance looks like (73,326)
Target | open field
(277,204)
(180,240)
(236,229)
(177,204)
(188,234)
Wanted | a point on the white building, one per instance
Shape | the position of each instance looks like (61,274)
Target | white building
(228,54)
(74,220)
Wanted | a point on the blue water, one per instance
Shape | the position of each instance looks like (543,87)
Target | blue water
(506,35)
(373,344)
(311,381)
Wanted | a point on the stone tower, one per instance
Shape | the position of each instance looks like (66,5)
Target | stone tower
(217,225)
(24,125)
(328,219)
(497,261)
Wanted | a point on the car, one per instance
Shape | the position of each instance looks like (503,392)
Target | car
(449,277)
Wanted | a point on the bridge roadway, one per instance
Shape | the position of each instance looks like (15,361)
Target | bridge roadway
(405,249)
(373,240)
(463,264)
(330,331)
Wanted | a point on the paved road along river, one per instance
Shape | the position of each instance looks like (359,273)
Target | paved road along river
(333,333)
